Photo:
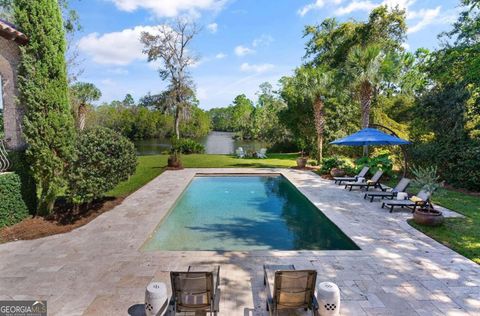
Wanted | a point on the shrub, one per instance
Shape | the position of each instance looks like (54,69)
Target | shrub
(328,163)
(382,162)
(28,190)
(105,158)
(457,162)
(12,206)
(187,146)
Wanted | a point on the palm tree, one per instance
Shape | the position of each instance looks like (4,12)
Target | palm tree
(314,84)
(364,69)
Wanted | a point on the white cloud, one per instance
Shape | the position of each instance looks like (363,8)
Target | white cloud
(318,4)
(427,16)
(406,46)
(356,6)
(118,71)
(263,40)
(107,82)
(241,50)
(116,48)
(220,56)
(419,18)
(170,8)
(258,68)
(212,27)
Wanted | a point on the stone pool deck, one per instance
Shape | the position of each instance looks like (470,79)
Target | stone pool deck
(99,269)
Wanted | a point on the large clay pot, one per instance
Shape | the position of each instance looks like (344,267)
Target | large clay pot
(302,162)
(335,172)
(428,217)
(174,162)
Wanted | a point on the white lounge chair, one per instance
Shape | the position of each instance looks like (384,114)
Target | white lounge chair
(240,152)
(262,153)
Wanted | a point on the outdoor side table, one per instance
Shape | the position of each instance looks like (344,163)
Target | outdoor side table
(328,297)
(156,299)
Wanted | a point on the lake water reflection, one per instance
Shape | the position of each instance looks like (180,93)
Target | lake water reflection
(215,143)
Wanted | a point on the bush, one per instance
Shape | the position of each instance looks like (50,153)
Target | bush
(382,162)
(457,161)
(328,163)
(12,207)
(28,190)
(187,146)
(105,158)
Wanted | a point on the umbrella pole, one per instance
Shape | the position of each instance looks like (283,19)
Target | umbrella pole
(404,151)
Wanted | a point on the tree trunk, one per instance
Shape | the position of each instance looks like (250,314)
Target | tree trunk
(365,104)
(319,115)
(82,114)
(177,122)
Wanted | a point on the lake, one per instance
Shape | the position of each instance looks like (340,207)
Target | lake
(215,143)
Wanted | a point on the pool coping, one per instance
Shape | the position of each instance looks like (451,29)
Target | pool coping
(98,269)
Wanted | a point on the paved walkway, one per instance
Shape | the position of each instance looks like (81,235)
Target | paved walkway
(99,269)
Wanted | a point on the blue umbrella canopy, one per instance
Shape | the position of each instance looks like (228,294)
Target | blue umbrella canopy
(370,136)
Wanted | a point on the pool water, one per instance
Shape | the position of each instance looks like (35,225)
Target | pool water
(244,213)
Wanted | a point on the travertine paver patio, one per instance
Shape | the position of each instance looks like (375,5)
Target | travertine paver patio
(99,269)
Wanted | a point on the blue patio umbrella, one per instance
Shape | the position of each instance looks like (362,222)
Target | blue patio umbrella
(373,136)
(370,136)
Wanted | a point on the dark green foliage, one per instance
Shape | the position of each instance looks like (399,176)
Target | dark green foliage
(328,163)
(198,123)
(105,158)
(187,146)
(42,82)
(12,207)
(21,167)
(142,121)
(381,161)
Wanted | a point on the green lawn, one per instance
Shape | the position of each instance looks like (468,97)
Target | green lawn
(460,234)
(151,166)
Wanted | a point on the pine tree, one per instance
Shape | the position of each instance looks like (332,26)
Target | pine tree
(43,91)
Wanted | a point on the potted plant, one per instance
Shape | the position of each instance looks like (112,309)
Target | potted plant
(174,161)
(337,172)
(428,179)
(302,160)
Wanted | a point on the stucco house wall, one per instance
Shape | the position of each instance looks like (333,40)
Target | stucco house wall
(12,110)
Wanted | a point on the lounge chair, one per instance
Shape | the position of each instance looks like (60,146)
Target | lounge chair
(362,174)
(262,153)
(421,199)
(374,182)
(289,289)
(240,152)
(384,194)
(196,290)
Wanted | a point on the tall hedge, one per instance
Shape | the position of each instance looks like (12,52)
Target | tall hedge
(12,206)
(42,81)
(28,189)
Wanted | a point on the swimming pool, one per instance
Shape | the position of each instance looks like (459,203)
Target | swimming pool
(245,213)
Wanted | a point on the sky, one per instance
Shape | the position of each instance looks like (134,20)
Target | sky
(242,43)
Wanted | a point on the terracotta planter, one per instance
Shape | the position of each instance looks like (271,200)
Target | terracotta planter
(335,172)
(302,162)
(428,217)
(174,162)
